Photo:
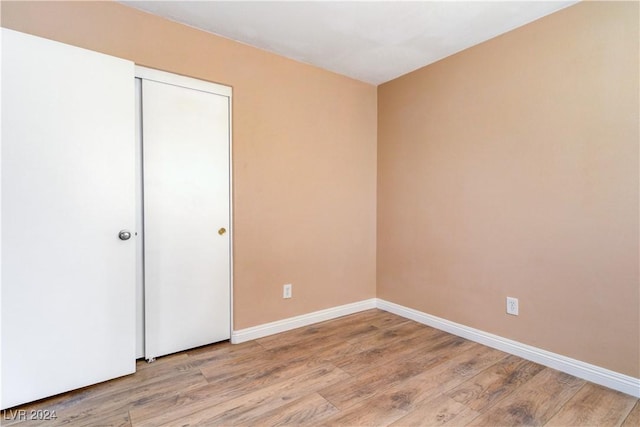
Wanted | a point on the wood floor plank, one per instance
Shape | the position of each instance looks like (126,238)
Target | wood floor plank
(121,420)
(111,400)
(389,347)
(116,417)
(221,370)
(115,404)
(442,410)
(52,404)
(443,377)
(390,404)
(633,419)
(342,350)
(266,374)
(220,391)
(207,409)
(329,328)
(594,405)
(388,320)
(402,330)
(317,335)
(495,383)
(534,403)
(260,363)
(219,353)
(366,384)
(327,346)
(308,410)
(371,412)
(352,334)
(22,420)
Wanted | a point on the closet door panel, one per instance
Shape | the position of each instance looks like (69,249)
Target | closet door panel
(186,204)
(68,174)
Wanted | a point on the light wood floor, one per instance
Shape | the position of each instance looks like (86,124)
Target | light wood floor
(370,368)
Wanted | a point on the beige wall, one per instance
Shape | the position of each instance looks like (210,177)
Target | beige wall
(511,169)
(304,147)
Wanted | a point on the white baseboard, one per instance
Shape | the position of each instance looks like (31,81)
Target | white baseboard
(283,325)
(595,374)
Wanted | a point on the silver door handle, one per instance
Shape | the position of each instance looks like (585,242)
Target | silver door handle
(124,235)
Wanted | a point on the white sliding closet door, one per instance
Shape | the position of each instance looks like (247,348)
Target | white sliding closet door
(68,174)
(186,139)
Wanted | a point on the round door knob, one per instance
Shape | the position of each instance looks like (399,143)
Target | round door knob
(222,231)
(124,235)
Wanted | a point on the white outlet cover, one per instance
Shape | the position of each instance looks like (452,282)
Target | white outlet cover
(512,306)
(286,290)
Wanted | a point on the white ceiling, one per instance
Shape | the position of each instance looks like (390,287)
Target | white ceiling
(370,41)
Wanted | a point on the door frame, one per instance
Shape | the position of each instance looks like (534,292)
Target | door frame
(190,83)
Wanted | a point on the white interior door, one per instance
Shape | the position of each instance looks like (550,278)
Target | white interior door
(68,175)
(186,215)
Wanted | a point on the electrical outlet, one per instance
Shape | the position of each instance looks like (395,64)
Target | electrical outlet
(286,290)
(512,306)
